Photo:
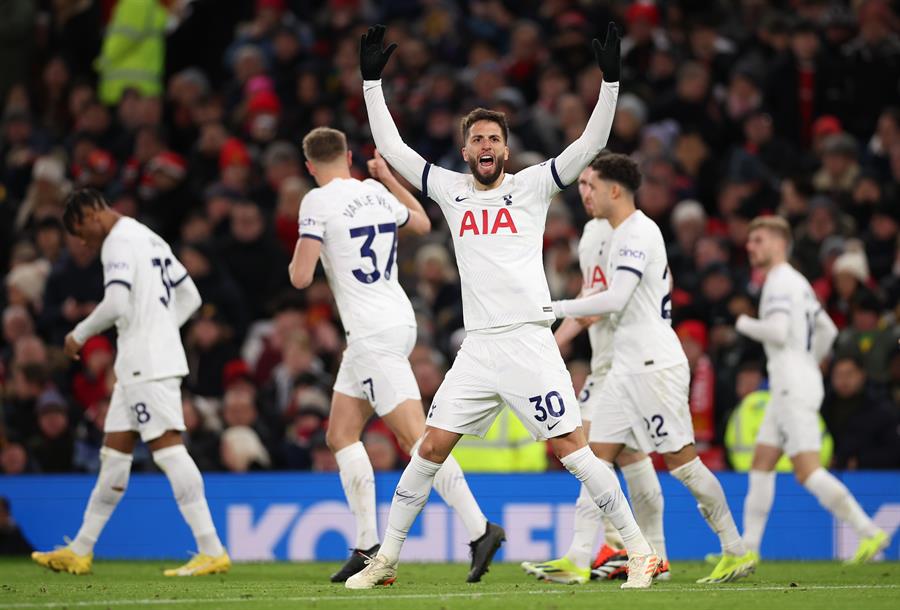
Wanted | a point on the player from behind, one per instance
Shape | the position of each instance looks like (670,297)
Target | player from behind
(148,296)
(353,227)
(644,400)
(644,489)
(509,357)
(796,334)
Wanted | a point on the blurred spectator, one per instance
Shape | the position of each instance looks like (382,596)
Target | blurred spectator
(133,53)
(53,447)
(248,249)
(864,424)
(201,440)
(209,348)
(14,459)
(242,451)
(74,288)
(12,540)
(95,381)
(869,336)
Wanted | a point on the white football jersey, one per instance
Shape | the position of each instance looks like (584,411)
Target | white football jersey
(593,257)
(643,340)
(498,239)
(149,344)
(792,364)
(357,223)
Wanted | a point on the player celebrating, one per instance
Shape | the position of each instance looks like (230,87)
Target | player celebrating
(509,356)
(353,225)
(644,489)
(148,296)
(796,334)
(644,401)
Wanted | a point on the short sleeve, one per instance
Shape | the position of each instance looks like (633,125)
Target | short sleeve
(776,297)
(312,219)
(118,263)
(542,179)
(177,272)
(438,183)
(633,252)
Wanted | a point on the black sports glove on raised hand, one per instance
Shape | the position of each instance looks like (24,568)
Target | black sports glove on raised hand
(609,56)
(372,58)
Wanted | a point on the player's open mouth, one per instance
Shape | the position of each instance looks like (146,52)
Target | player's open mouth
(486,162)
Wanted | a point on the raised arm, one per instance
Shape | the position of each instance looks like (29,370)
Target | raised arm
(417,221)
(372,59)
(582,151)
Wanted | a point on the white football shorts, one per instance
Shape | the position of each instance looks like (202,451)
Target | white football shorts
(376,368)
(590,393)
(518,366)
(791,422)
(645,411)
(147,407)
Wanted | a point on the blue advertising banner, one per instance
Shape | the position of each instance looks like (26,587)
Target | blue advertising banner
(303,516)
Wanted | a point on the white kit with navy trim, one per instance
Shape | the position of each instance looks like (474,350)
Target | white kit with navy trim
(149,339)
(644,340)
(357,223)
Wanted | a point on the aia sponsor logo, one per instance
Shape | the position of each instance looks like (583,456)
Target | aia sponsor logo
(484,224)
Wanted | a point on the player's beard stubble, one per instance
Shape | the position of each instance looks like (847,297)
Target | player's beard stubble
(486,179)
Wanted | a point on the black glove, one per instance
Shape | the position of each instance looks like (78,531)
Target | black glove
(372,58)
(609,56)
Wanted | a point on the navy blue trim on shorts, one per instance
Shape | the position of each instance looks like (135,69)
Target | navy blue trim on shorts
(555,175)
(632,269)
(122,282)
(311,236)
(425,171)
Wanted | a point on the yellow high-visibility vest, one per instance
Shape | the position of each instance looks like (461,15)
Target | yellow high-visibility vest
(507,447)
(743,427)
(133,53)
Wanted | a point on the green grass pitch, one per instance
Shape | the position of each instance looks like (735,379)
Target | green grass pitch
(126,584)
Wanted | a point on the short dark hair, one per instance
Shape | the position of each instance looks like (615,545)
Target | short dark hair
(483,114)
(79,200)
(618,168)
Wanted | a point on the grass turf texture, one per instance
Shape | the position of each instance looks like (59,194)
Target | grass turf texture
(125,584)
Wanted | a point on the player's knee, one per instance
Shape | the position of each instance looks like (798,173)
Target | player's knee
(431,451)
(336,439)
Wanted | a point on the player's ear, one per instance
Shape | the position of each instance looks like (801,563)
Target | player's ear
(506,153)
(311,168)
(465,154)
(349,158)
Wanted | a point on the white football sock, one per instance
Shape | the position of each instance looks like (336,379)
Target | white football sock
(451,484)
(757,504)
(603,486)
(647,502)
(707,490)
(588,517)
(409,500)
(358,481)
(837,499)
(112,480)
(187,485)
(610,533)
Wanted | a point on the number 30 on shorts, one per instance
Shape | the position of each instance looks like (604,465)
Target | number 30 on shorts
(551,404)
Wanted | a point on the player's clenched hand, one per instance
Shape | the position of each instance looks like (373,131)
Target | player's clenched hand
(378,168)
(72,347)
(609,54)
(372,56)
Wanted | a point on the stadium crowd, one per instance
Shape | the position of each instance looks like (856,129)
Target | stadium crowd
(759,106)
